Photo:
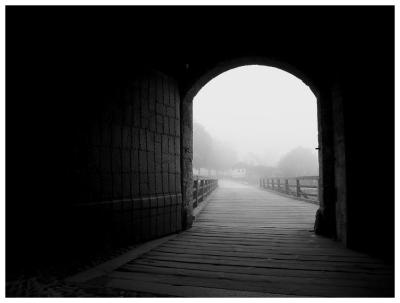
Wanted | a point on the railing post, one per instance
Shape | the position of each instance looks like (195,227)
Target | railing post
(268,183)
(263,182)
(298,187)
(287,186)
(279,184)
(272,184)
(197,192)
(202,189)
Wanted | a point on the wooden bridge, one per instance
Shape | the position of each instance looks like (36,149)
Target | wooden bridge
(246,242)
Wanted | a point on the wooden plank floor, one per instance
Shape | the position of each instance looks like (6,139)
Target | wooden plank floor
(251,243)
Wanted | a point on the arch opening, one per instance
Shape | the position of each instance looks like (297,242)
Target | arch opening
(325,222)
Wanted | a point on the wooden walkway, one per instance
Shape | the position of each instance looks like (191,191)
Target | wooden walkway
(251,243)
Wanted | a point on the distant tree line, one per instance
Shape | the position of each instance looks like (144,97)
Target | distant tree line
(211,154)
(298,162)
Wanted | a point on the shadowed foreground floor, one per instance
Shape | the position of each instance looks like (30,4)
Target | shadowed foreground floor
(251,243)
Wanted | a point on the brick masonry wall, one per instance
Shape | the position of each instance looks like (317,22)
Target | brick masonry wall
(129,185)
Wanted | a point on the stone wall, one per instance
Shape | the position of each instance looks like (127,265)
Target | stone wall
(129,184)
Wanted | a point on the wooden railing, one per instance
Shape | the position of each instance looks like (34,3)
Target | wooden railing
(304,188)
(202,187)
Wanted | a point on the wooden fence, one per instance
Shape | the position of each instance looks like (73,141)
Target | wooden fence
(304,188)
(202,187)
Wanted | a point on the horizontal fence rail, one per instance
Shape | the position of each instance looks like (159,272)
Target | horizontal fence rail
(202,187)
(304,188)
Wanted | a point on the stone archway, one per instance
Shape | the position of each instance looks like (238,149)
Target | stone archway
(331,216)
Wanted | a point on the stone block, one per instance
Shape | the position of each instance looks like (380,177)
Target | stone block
(165,183)
(152,183)
(171,145)
(165,164)
(178,183)
(126,137)
(134,161)
(153,123)
(135,185)
(159,185)
(142,139)
(171,164)
(170,112)
(144,186)
(172,126)
(145,122)
(150,141)
(135,138)
(116,165)
(142,161)
(159,124)
(177,150)
(158,163)
(166,125)
(160,109)
(164,144)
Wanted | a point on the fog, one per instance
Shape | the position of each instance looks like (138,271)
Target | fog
(260,113)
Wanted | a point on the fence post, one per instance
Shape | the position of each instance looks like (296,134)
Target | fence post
(298,187)
(197,191)
(279,184)
(287,186)
(263,183)
(203,182)
(272,184)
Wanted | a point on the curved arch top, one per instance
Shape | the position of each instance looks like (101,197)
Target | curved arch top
(225,66)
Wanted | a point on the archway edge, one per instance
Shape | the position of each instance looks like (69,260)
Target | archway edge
(223,66)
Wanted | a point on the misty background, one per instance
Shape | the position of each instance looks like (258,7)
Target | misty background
(255,121)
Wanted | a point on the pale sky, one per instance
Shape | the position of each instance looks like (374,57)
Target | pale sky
(258,109)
